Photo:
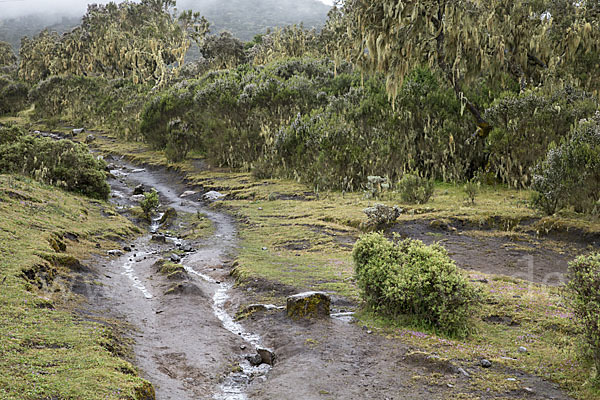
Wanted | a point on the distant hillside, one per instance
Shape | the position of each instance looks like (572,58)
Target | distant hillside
(243,18)
(13,29)
(246,18)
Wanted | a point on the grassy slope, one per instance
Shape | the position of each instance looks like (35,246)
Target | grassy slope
(308,246)
(46,349)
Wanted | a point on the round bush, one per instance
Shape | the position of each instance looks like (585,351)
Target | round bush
(410,278)
(583,291)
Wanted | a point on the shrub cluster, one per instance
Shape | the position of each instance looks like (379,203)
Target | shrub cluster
(415,189)
(583,290)
(61,163)
(410,278)
(569,176)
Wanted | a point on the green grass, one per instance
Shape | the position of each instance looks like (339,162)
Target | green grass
(46,349)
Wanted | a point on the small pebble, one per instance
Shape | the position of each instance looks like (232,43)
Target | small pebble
(485,363)
(511,379)
(522,349)
(264,248)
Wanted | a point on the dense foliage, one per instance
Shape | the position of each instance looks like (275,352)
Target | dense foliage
(570,173)
(137,40)
(61,163)
(410,278)
(583,291)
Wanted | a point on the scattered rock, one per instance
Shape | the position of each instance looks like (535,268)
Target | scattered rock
(187,193)
(213,196)
(159,238)
(308,305)
(485,363)
(114,253)
(175,258)
(187,248)
(242,347)
(264,249)
(137,171)
(462,371)
(139,189)
(266,355)
(78,131)
(127,248)
(90,138)
(254,359)
(522,349)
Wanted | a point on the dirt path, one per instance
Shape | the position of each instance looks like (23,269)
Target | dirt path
(185,342)
(189,347)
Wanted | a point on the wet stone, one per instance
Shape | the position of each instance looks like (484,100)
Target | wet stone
(175,258)
(254,359)
(139,189)
(114,253)
(308,305)
(159,238)
(266,355)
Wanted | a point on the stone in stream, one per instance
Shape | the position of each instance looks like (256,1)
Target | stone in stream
(187,248)
(114,253)
(159,238)
(266,356)
(213,196)
(139,189)
(175,258)
(254,359)
(137,198)
(187,193)
(308,305)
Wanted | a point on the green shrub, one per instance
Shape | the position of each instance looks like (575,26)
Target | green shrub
(569,176)
(471,189)
(150,202)
(410,278)
(61,163)
(415,189)
(13,95)
(583,291)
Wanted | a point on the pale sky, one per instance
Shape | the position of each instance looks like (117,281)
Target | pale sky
(15,8)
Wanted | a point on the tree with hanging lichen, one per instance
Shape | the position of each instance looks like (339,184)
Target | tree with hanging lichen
(7,56)
(142,41)
(470,40)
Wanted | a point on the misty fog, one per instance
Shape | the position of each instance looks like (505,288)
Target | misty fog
(76,8)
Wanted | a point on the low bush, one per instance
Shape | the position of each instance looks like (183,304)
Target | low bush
(410,278)
(583,291)
(150,202)
(415,189)
(381,215)
(569,176)
(61,163)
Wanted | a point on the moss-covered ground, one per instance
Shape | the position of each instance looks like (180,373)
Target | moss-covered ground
(47,349)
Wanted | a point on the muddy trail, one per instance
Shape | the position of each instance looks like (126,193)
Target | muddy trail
(189,346)
(185,342)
